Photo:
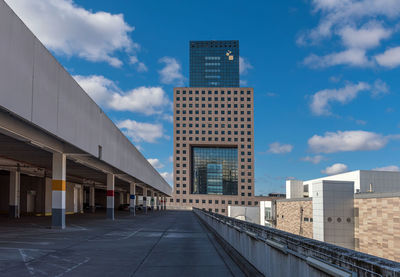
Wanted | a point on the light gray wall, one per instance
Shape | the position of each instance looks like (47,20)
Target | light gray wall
(382,181)
(37,88)
(332,207)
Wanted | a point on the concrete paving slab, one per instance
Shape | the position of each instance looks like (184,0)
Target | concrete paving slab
(165,243)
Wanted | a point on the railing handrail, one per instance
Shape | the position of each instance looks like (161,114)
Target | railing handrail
(349,258)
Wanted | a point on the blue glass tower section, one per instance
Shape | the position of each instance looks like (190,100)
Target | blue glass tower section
(214,170)
(214,63)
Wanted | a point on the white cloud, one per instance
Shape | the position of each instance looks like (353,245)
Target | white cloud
(369,36)
(139,131)
(171,159)
(342,141)
(168,176)
(360,25)
(156,163)
(335,169)
(243,83)
(313,159)
(272,94)
(140,66)
(145,100)
(244,66)
(320,101)
(278,148)
(388,168)
(335,14)
(352,57)
(380,88)
(390,58)
(99,88)
(68,29)
(171,72)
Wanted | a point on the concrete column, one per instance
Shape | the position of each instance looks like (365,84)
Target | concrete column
(152,200)
(48,196)
(121,197)
(58,185)
(158,201)
(110,196)
(132,199)
(81,199)
(14,201)
(145,199)
(165,202)
(92,197)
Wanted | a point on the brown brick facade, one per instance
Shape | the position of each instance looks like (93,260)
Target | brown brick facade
(289,219)
(377,226)
(213,117)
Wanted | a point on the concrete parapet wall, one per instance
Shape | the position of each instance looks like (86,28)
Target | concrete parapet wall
(276,253)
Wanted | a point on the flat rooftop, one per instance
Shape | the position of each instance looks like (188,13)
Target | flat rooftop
(165,243)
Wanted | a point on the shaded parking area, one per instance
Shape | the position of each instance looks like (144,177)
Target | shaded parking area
(165,243)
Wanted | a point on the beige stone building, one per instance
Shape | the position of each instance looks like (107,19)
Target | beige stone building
(367,221)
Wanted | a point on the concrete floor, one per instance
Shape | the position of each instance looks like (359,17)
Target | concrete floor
(166,243)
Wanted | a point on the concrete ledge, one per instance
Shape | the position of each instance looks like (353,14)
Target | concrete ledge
(365,195)
(277,253)
(294,199)
(328,268)
(247,268)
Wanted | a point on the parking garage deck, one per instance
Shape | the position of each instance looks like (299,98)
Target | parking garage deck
(164,243)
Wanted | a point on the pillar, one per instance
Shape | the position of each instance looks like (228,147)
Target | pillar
(121,198)
(14,201)
(110,196)
(165,202)
(132,197)
(92,197)
(145,199)
(152,201)
(48,195)
(58,186)
(158,201)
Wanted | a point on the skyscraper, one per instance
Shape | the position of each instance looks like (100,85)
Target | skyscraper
(214,63)
(213,132)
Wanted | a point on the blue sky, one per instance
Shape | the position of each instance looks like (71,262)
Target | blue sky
(325,74)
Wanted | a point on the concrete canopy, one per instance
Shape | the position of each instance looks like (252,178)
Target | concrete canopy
(41,104)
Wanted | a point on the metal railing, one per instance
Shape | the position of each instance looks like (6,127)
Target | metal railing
(360,263)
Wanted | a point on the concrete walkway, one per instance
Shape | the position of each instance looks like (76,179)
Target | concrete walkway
(166,243)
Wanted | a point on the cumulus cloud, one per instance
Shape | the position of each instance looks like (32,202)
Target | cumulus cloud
(141,132)
(244,65)
(368,36)
(140,66)
(335,169)
(351,57)
(355,23)
(313,159)
(171,73)
(145,100)
(156,163)
(97,87)
(390,58)
(342,141)
(279,148)
(337,14)
(321,100)
(68,29)
(388,168)
(168,176)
